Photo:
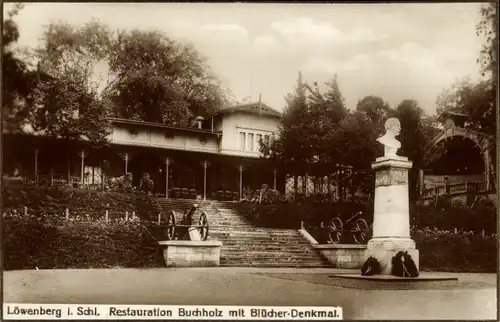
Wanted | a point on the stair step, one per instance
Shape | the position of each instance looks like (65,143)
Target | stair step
(267,264)
(245,245)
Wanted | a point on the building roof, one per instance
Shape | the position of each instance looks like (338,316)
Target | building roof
(163,126)
(258,108)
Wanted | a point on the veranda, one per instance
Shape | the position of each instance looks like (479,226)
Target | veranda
(175,173)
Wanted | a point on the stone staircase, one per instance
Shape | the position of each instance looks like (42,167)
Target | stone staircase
(246,245)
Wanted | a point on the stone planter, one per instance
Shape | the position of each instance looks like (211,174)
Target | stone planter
(180,253)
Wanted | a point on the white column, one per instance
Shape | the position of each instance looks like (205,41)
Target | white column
(36,165)
(68,165)
(126,157)
(82,155)
(240,169)
(274,175)
(205,164)
(167,161)
(421,180)
(487,170)
(391,218)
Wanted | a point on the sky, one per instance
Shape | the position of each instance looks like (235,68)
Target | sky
(395,51)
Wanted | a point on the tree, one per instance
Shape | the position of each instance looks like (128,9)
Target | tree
(68,104)
(374,109)
(353,143)
(487,28)
(67,109)
(415,137)
(146,75)
(18,81)
(161,80)
(326,110)
(293,148)
(353,140)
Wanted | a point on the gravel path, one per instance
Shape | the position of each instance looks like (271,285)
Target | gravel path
(474,296)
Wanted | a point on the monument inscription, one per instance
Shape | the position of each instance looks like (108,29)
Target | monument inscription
(390,177)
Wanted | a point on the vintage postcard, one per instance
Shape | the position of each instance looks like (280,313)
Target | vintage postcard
(249,161)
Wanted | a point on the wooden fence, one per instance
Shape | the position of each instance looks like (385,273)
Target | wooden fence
(67,215)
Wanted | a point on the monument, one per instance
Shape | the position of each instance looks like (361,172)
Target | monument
(391,218)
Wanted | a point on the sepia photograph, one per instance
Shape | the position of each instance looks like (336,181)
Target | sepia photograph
(249,161)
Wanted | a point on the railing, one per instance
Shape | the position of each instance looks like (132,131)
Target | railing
(454,189)
(48,180)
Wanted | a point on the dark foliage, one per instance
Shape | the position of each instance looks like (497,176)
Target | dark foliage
(403,265)
(51,202)
(370,267)
(45,239)
(290,215)
(77,244)
(446,214)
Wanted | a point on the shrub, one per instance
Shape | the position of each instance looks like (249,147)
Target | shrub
(77,243)
(290,215)
(52,202)
(446,250)
(447,214)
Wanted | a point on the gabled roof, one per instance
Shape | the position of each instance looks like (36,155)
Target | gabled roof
(257,108)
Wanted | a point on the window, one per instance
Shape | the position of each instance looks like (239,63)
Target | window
(242,140)
(250,142)
(266,139)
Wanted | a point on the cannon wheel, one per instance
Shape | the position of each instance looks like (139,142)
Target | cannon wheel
(203,226)
(360,230)
(335,227)
(171,225)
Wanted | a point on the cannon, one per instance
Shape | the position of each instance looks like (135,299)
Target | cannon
(356,225)
(179,231)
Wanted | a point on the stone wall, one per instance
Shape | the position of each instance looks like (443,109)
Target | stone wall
(343,256)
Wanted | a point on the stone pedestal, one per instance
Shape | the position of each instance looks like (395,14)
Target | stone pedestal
(187,253)
(391,218)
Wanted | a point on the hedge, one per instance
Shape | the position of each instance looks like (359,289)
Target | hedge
(443,215)
(77,243)
(461,251)
(446,250)
(45,239)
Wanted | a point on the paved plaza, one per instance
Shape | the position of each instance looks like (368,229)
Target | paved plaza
(472,297)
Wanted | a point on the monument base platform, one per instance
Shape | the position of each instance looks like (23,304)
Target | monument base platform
(384,249)
(423,277)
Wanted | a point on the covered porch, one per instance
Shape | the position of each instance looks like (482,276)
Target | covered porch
(175,173)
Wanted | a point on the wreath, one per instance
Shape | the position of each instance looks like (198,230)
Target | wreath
(403,265)
(370,267)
